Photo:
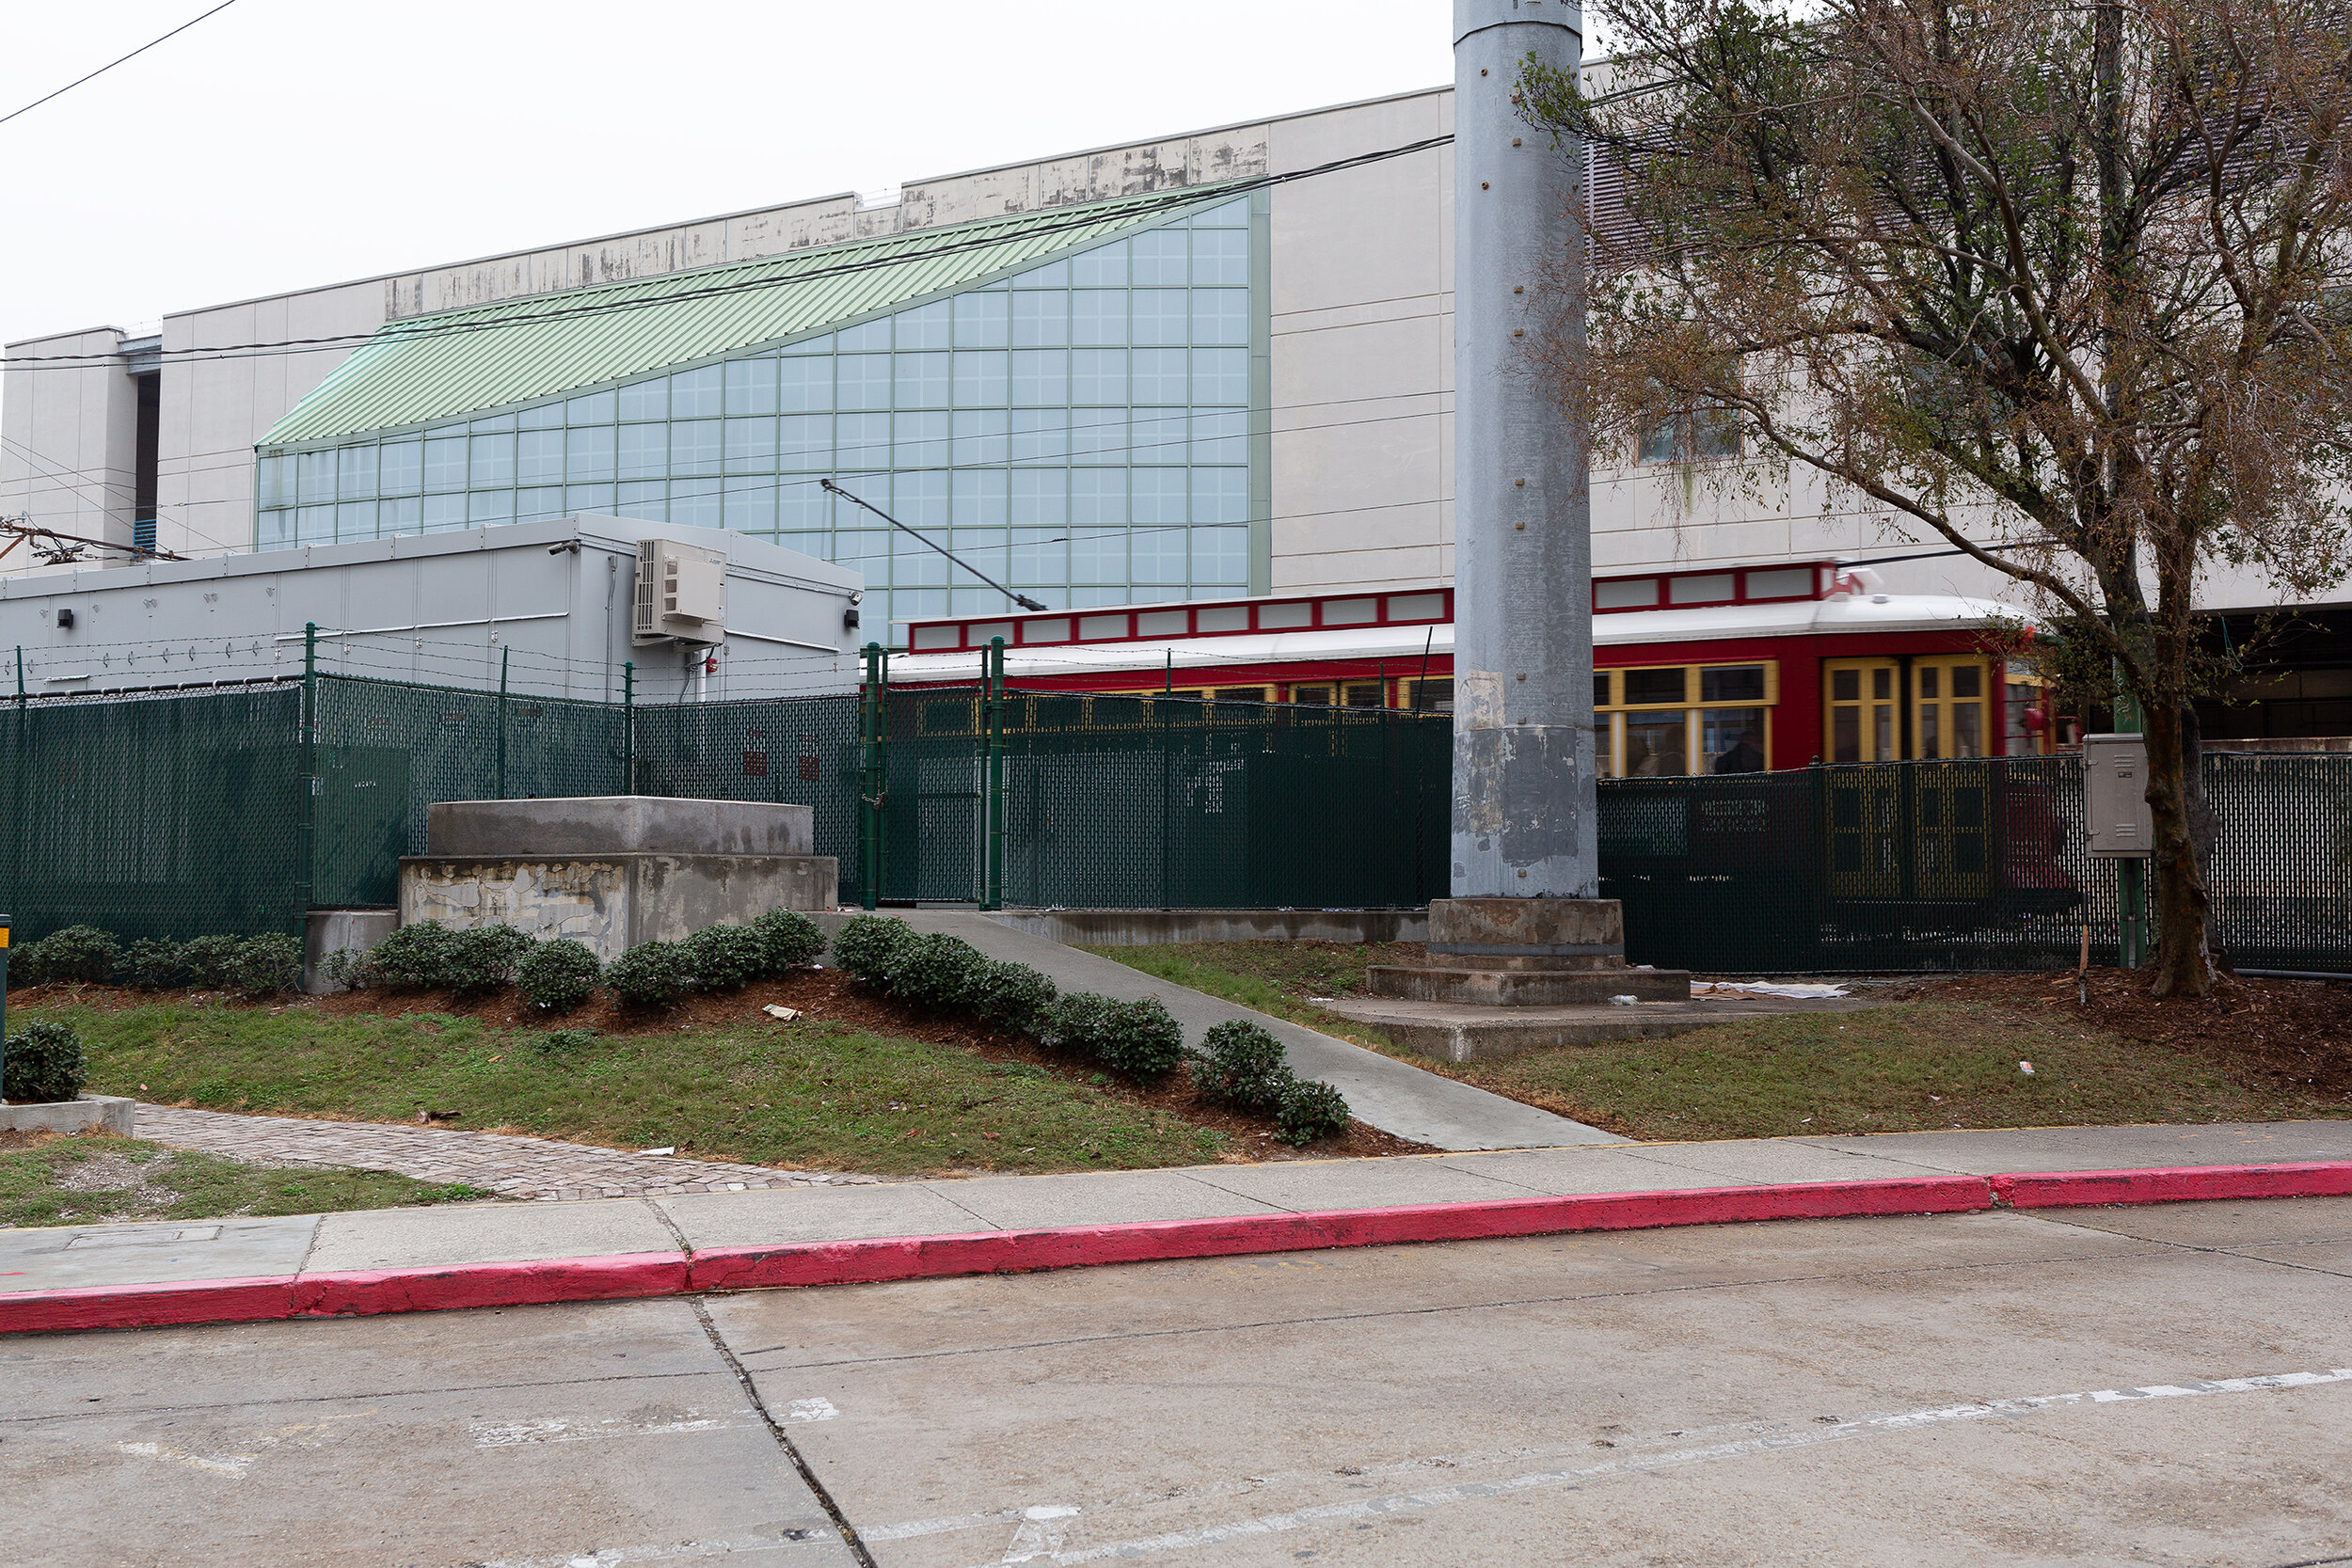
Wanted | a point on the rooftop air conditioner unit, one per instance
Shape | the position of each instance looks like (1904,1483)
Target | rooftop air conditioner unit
(681,593)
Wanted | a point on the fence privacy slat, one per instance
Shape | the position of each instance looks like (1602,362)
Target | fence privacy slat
(178,815)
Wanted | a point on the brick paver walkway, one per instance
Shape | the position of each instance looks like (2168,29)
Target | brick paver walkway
(510,1166)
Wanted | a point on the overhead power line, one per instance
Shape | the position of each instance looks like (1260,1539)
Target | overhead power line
(425,327)
(111,64)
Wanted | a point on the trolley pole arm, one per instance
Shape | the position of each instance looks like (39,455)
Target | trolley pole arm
(1020,599)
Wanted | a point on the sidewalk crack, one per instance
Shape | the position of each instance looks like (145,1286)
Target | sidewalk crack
(783,1439)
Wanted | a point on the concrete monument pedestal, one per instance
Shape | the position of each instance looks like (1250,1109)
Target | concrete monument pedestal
(613,871)
(1492,960)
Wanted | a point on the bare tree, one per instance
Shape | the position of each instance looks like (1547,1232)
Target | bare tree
(2064,284)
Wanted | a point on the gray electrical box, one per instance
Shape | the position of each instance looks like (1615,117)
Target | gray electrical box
(2115,795)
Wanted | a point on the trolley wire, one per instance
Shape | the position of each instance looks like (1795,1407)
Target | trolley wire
(111,64)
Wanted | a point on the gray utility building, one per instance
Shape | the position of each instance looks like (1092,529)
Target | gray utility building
(552,608)
(1201,365)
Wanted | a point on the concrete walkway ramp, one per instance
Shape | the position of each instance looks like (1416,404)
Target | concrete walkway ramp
(1393,1096)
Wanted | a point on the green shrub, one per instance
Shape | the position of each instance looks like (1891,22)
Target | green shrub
(76,953)
(266,965)
(1141,1041)
(726,958)
(210,962)
(788,939)
(349,969)
(1016,997)
(154,963)
(564,1042)
(478,962)
(1308,1111)
(937,971)
(415,957)
(650,975)
(865,944)
(556,976)
(44,1065)
(1241,1065)
(1078,1022)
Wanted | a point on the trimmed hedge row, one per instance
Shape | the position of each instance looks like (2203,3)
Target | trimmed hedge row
(558,974)
(254,967)
(1241,1066)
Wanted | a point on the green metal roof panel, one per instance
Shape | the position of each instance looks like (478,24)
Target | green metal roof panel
(453,363)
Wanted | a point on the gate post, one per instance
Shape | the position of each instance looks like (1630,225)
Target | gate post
(307,847)
(628,726)
(992,780)
(504,654)
(871,789)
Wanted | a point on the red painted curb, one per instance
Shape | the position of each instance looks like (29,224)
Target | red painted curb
(199,1300)
(2078,1189)
(363,1292)
(869,1263)
(360,1292)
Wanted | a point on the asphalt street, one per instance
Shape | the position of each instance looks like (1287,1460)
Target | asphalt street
(2164,1384)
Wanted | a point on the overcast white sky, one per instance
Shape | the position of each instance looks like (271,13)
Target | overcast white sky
(285,143)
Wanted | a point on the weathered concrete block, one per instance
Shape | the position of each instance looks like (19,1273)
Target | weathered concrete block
(618,825)
(615,901)
(329,931)
(1528,927)
(1140,927)
(90,1113)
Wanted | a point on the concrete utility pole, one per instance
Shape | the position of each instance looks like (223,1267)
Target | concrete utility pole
(1523,524)
(1524,928)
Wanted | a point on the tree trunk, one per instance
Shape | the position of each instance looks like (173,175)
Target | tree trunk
(2180,902)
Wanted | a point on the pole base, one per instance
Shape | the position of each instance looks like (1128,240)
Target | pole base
(1526,952)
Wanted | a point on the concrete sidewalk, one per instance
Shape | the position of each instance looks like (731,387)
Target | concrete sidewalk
(663,1244)
(1395,1097)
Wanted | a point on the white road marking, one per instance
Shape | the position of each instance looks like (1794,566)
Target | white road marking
(1040,1533)
(1272,1524)
(670,1551)
(508,1434)
(233,1465)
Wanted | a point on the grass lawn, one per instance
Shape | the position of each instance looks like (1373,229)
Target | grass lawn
(104,1179)
(814,1093)
(1912,1066)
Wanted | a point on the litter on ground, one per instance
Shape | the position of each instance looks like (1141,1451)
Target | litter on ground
(1808,992)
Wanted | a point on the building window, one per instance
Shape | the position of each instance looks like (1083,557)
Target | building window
(1102,399)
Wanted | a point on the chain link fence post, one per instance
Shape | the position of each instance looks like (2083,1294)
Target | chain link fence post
(992,781)
(306,884)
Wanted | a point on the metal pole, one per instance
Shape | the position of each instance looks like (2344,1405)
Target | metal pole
(503,652)
(629,726)
(20,674)
(309,776)
(994,896)
(4,924)
(881,777)
(2130,874)
(869,785)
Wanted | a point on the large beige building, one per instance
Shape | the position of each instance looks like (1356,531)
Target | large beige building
(1199,366)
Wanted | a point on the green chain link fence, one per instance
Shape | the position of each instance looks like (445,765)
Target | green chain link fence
(1954,865)
(166,815)
(180,813)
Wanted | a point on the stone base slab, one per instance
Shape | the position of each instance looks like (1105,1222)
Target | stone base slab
(1454,1032)
(613,902)
(89,1113)
(1486,987)
(618,825)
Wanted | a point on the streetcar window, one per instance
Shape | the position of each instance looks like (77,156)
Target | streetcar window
(1431,696)
(1655,745)
(1601,689)
(1732,683)
(1644,688)
(1845,686)
(1314,696)
(1363,694)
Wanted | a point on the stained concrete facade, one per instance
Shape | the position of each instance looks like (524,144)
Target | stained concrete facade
(1361,305)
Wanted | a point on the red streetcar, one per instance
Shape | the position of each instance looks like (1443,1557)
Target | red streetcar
(1740,669)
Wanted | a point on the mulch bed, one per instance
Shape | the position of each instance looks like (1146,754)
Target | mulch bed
(2289,1031)
(827,995)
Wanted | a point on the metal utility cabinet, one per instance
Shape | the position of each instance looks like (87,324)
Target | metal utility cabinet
(2114,795)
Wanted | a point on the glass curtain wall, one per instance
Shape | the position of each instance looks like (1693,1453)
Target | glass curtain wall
(1080,431)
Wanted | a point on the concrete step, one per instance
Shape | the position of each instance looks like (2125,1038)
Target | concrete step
(1458,1032)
